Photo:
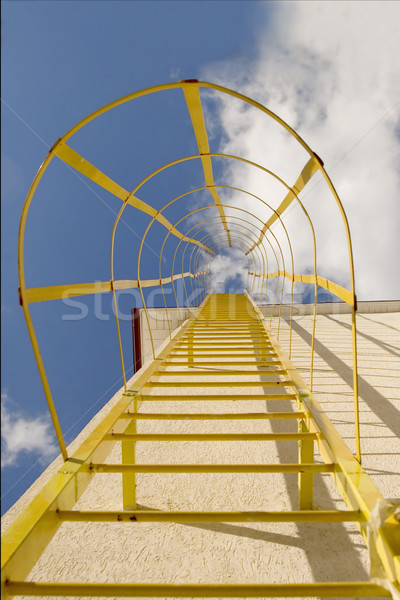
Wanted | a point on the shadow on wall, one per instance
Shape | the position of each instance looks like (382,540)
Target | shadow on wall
(384,410)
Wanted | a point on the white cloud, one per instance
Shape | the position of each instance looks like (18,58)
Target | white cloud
(20,434)
(229,272)
(330,69)
(175,73)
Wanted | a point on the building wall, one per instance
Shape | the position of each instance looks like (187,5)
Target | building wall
(378,342)
(250,552)
(163,321)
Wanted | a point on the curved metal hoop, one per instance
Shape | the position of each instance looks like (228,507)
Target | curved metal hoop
(257,248)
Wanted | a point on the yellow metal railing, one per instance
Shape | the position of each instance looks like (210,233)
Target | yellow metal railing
(191,90)
(225,329)
(198,236)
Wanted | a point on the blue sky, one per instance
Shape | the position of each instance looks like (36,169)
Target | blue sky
(60,62)
(334,78)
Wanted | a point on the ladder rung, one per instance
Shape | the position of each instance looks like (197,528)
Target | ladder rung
(242,468)
(221,354)
(212,416)
(204,347)
(206,324)
(295,516)
(233,329)
(240,339)
(206,331)
(204,318)
(209,437)
(230,323)
(217,335)
(217,383)
(217,341)
(353,589)
(218,372)
(209,347)
(215,397)
(227,329)
(223,346)
(219,363)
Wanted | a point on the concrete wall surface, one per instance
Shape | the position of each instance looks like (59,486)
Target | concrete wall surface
(250,552)
(161,323)
(324,308)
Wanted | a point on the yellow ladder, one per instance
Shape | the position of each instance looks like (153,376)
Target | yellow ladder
(224,353)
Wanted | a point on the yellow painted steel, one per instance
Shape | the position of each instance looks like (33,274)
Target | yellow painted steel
(209,437)
(218,372)
(258,363)
(306,455)
(72,158)
(311,167)
(193,101)
(25,540)
(38,523)
(224,327)
(212,416)
(131,590)
(128,455)
(246,250)
(189,214)
(278,468)
(334,288)
(354,484)
(246,235)
(299,516)
(284,397)
(57,292)
(223,384)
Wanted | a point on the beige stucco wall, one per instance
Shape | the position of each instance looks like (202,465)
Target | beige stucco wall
(161,323)
(205,553)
